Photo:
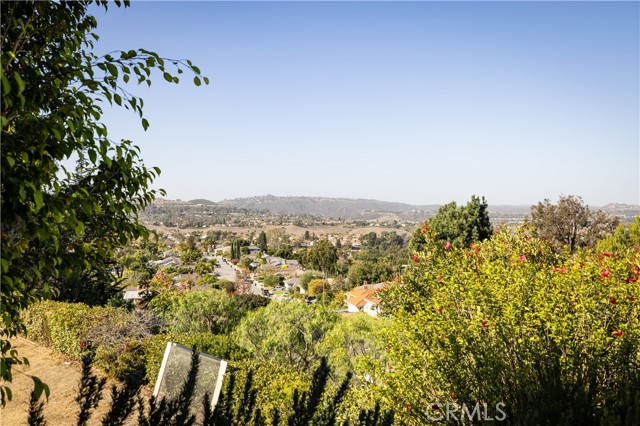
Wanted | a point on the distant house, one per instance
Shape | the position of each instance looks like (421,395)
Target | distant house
(136,296)
(275,261)
(167,261)
(364,299)
(291,283)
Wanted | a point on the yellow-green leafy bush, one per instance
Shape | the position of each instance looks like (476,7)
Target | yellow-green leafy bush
(111,336)
(555,338)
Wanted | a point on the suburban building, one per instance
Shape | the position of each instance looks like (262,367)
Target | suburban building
(136,296)
(364,299)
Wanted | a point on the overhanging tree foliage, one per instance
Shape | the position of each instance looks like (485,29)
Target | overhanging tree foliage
(58,223)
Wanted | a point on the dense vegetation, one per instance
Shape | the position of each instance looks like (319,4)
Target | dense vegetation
(60,227)
(534,325)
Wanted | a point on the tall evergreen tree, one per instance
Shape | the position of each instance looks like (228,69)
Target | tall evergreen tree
(262,241)
(458,226)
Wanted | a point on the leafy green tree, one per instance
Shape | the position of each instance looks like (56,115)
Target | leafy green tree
(456,226)
(307,277)
(189,249)
(203,268)
(285,252)
(370,271)
(251,302)
(322,256)
(622,239)
(370,239)
(317,287)
(271,280)
(570,223)
(286,332)
(55,222)
(135,261)
(277,238)
(95,285)
(246,263)
(236,248)
(353,343)
(262,241)
(210,280)
(202,311)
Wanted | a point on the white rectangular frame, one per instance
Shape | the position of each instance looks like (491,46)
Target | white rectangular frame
(220,378)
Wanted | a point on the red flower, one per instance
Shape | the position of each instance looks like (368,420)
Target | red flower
(607,254)
(605,273)
(447,246)
(440,309)
(424,229)
(415,258)
(454,395)
(409,407)
(522,258)
(391,367)
(613,300)
(82,345)
(484,323)
(618,333)
(632,279)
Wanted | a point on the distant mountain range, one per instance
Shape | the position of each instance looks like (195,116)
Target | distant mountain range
(364,209)
(344,208)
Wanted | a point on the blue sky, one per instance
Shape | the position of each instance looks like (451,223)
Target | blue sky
(417,102)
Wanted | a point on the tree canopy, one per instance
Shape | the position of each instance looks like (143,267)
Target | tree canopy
(58,223)
(552,336)
(456,226)
(322,256)
(571,223)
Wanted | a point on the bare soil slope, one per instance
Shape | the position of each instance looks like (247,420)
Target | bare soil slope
(63,380)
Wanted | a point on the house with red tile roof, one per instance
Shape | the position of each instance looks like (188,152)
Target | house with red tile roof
(364,299)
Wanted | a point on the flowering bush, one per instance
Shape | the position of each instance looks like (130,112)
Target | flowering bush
(554,337)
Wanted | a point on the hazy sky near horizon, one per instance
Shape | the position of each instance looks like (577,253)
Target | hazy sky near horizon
(416,102)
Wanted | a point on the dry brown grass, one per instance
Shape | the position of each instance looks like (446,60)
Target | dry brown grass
(63,380)
(297,231)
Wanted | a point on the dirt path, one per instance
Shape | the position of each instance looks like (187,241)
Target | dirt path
(62,375)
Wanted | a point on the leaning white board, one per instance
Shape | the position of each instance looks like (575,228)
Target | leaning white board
(175,369)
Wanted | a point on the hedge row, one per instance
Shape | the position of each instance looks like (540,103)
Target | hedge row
(119,342)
